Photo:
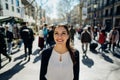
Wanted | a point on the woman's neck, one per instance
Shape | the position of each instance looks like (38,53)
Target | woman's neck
(60,49)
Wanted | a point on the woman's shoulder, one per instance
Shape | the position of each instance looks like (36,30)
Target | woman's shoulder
(76,52)
(47,51)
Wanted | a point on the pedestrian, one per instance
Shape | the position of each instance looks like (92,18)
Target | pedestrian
(114,38)
(19,41)
(41,39)
(60,62)
(45,33)
(50,39)
(72,33)
(85,39)
(3,44)
(9,36)
(102,39)
(27,36)
(118,44)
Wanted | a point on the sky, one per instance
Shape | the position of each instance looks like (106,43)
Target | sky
(51,4)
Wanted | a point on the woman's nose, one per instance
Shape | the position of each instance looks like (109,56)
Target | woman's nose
(60,35)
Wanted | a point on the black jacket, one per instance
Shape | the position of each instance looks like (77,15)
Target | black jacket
(45,59)
(9,36)
(29,37)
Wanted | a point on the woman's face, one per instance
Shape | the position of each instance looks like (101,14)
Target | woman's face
(60,35)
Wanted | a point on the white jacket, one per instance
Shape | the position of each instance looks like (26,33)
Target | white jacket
(116,37)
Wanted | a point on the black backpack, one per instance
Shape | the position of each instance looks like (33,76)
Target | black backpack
(25,34)
(86,37)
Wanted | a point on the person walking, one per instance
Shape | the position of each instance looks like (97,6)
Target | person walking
(114,38)
(45,33)
(85,39)
(50,38)
(60,62)
(72,33)
(3,44)
(118,44)
(102,39)
(9,36)
(41,39)
(27,36)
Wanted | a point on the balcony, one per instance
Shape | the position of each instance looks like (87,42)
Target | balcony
(109,3)
(27,2)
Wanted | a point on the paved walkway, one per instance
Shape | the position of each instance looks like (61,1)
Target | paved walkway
(96,66)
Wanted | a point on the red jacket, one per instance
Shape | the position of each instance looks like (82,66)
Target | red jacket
(102,38)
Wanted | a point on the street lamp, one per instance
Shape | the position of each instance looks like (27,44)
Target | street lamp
(94,6)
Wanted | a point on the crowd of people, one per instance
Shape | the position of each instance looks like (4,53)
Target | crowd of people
(7,38)
(95,36)
(57,45)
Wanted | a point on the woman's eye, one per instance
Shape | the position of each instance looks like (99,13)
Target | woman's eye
(56,33)
(63,33)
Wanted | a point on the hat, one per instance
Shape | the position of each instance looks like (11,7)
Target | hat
(85,28)
(6,26)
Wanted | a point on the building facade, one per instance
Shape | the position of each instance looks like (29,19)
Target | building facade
(10,8)
(13,12)
(104,12)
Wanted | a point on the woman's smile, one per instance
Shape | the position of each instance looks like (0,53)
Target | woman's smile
(60,35)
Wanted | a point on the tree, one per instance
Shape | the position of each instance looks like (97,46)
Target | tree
(64,9)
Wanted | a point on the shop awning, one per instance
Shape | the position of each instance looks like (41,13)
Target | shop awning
(11,19)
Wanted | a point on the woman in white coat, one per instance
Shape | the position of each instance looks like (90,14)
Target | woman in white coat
(113,38)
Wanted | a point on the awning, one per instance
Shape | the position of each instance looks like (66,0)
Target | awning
(10,19)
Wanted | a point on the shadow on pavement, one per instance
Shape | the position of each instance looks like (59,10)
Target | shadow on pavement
(11,72)
(37,59)
(87,61)
(4,65)
(107,58)
(36,52)
(15,52)
(116,53)
(94,51)
(19,57)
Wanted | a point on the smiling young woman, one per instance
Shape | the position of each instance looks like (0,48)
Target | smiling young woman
(60,62)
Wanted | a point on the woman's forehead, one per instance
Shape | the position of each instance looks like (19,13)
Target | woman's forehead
(60,29)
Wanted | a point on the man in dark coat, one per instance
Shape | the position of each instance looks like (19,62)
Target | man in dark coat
(27,36)
(3,44)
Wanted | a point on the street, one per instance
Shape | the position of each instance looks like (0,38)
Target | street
(94,66)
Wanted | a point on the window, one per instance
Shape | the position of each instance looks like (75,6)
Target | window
(18,10)
(106,12)
(111,11)
(13,8)
(12,2)
(118,10)
(6,5)
(17,3)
